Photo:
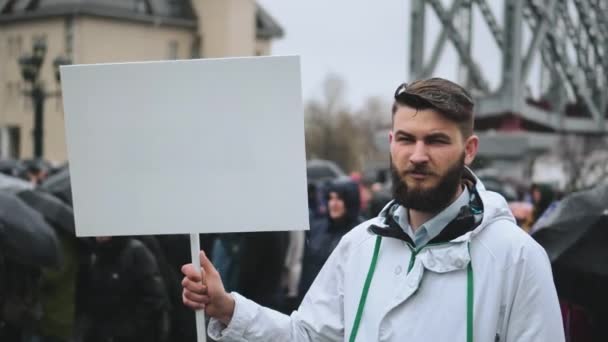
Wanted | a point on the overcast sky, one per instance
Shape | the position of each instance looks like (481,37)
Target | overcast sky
(367,43)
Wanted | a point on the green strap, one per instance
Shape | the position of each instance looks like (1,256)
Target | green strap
(470,298)
(412,260)
(368,281)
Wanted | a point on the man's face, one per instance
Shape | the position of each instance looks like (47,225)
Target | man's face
(428,155)
(335,206)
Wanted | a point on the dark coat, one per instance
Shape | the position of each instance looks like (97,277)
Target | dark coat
(261,265)
(325,233)
(126,293)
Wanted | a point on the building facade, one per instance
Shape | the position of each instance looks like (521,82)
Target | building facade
(102,31)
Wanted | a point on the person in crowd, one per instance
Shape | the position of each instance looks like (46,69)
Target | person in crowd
(34,170)
(253,263)
(343,206)
(543,197)
(126,296)
(226,254)
(261,266)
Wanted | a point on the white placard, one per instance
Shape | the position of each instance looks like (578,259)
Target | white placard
(194,146)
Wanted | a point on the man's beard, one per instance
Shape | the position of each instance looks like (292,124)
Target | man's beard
(430,200)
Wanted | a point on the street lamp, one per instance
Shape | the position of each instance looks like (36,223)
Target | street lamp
(30,65)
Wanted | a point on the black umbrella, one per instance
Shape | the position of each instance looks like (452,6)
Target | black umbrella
(13,183)
(56,212)
(575,237)
(10,167)
(59,185)
(565,232)
(24,235)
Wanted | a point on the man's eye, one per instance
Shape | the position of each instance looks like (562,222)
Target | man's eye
(405,139)
(438,142)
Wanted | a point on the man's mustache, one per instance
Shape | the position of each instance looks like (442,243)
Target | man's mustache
(421,169)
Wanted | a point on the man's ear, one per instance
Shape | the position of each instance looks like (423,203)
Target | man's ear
(471,146)
(390,137)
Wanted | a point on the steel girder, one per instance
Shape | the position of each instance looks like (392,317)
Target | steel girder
(569,36)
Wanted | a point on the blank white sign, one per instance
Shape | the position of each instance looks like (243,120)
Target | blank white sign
(195,146)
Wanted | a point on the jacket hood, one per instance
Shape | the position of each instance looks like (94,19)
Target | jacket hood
(348,191)
(484,208)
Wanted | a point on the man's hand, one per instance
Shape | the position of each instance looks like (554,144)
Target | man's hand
(205,290)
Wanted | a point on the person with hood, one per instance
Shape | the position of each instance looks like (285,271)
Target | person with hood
(444,260)
(342,198)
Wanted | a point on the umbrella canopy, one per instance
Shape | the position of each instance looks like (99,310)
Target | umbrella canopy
(9,182)
(56,212)
(10,167)
(563,232)
(24,235)
(59,185)
(575,236)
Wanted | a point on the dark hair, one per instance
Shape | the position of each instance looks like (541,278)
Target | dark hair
(447,98)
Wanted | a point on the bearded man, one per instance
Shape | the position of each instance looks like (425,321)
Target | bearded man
(444,260)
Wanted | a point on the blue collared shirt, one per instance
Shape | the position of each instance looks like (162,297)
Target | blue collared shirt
(431,228)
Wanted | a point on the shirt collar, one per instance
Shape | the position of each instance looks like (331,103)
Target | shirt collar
(431,228)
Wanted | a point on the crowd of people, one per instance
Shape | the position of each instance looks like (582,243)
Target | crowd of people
(127,288)
(99,289)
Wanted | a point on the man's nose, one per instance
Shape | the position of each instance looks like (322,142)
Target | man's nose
(419,155)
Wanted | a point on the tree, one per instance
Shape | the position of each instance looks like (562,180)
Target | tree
(336,133)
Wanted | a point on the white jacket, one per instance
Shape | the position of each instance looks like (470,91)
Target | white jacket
(514,297)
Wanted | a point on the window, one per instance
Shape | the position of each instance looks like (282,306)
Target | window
(173,50)
(18,46)
(69,36)
(196,47)
(14,140)
(9,46)
(142,6)
(175,7)
(39,38)
(10,142)
(14,46)
(12,87)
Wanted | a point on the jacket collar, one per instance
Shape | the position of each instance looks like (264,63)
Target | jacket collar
(466,221)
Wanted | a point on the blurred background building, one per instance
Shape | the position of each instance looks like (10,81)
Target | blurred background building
(103,31)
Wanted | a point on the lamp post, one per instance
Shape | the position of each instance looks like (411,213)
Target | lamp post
(31,65)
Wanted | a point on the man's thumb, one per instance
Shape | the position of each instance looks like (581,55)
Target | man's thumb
(206,264)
